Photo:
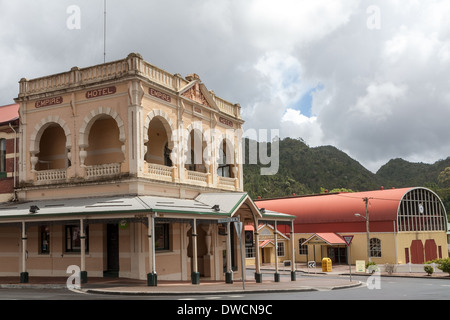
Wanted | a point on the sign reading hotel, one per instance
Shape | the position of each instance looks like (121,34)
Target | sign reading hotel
(48,102)
(159,95)
(100,92)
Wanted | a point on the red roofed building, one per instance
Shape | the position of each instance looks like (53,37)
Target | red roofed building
(9,124)
(404,225)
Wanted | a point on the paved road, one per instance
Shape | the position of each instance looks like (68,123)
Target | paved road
(273,305)
(387,288)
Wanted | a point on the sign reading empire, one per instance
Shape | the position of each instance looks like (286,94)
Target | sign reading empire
(159,94)
(100,92)
(48,102)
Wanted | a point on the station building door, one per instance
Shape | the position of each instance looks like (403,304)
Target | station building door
(337,254)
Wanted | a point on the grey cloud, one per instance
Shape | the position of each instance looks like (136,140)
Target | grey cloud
(385,92)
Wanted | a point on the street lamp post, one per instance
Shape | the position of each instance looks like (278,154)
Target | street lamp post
(366,200)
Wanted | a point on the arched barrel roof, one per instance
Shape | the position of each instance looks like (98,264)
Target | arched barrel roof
(335,212)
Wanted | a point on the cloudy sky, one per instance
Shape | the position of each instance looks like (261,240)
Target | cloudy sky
(369,77)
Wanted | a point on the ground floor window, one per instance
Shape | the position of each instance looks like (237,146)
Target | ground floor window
(249,251)
(73,238)
(162,236)
(302,249)
(280,249)
(44,240)
(375,248)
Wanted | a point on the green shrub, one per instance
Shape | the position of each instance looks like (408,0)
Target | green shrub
(428,269)
(442,264)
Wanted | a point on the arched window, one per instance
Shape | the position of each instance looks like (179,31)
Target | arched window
(105,146)
(421,210)
(52,149)
(375,248)
(302,249)
(158,136)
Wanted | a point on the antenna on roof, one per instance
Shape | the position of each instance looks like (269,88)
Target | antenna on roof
(104,32)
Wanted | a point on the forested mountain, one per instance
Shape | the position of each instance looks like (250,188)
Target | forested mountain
(398,172)
(305,170)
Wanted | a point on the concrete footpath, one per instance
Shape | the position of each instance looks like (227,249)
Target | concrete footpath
(306,280)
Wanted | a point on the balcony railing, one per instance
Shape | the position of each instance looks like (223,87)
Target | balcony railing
(47,176)
(102,170)
(152,171)
(227,183)
(160,172)
(196,177)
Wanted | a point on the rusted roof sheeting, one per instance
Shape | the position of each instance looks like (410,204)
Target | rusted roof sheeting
(9,113)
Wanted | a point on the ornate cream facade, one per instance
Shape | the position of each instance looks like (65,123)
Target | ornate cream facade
(125,119)
(127,170)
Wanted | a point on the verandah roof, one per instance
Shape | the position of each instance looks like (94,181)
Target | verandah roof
(327,238)
(218,205)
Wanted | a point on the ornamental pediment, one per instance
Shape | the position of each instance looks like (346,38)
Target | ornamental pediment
(196,95)
(196,91)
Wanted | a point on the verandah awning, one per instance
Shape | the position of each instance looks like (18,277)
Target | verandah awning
(211,205)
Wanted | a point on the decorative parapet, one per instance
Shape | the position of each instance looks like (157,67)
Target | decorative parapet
(227,107)
(132,65)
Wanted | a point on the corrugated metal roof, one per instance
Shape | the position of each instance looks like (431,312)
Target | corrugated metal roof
(265,243)
(339,207)
(221,204)
(9,113)
(329,238)
(226,202)
(230,202)
(65,207)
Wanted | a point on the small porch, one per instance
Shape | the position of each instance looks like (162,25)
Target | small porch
(329,245)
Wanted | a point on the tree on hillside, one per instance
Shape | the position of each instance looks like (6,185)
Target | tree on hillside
(335,190)
(444,178)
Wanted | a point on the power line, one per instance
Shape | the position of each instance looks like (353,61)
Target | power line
(371,198)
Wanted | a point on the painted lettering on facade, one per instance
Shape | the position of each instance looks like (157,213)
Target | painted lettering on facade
(226,122)
(48,102)
(100,92)
(159,95)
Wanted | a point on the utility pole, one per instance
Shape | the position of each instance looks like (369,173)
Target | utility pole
(366,200)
